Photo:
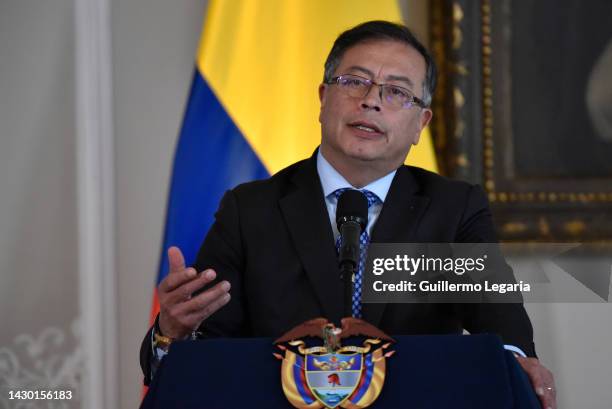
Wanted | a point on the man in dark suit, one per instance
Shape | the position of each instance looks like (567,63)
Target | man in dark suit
(272,244)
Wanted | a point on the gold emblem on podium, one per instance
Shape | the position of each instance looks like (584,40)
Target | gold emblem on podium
(332,375)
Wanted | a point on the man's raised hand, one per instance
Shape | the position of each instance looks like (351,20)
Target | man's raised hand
(181,312)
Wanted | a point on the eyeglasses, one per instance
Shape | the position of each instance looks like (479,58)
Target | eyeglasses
(391,95)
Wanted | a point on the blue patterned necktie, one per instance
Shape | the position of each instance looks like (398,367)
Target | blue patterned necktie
(364,240)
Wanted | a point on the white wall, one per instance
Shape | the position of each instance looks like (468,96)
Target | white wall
(38,224)
(154,45)
(573,341)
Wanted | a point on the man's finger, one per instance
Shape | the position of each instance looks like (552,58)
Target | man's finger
(185,290)
(547,397)
(201,303)
(176,261)
(542,381)
(195,319)
(212,307)
(177,279)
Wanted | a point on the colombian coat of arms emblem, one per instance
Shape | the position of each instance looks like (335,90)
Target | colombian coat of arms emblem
(332,375)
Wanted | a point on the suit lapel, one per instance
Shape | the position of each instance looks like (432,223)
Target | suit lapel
(307,219)
(397,223)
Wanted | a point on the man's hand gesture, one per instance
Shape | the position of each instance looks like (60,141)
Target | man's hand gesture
(182,312)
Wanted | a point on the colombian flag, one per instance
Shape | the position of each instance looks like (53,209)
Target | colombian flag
(253,107)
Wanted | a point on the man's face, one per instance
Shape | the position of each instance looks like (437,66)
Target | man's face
(345,120)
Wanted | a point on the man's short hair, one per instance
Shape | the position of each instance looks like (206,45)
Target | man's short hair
(381,30)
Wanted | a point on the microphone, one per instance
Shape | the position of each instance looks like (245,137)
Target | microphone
(352,219)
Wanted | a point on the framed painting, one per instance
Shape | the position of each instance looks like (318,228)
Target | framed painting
(524,108)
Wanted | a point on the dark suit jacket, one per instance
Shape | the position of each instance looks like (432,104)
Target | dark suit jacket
(273,241)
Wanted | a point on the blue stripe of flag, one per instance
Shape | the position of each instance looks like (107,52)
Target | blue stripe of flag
(211,157)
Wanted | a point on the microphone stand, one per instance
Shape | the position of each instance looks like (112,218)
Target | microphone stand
(349,259)
(347,275)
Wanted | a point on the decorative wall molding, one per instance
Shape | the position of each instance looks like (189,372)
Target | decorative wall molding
(51,361)
(96,203)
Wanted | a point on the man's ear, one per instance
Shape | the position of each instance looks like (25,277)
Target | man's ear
(426,115)
(322,90)
(322,98)
(424,119)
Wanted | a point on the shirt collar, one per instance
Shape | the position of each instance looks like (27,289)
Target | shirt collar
(331,180)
